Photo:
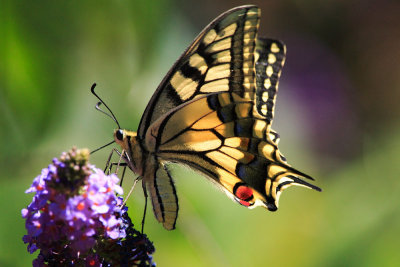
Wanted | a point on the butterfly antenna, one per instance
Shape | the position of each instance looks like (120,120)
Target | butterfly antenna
(112,116)
(97,149)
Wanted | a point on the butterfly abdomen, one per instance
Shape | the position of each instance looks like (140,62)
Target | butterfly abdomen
(159,184)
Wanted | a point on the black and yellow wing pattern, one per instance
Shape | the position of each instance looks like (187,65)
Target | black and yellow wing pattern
(213,112)
(220,59)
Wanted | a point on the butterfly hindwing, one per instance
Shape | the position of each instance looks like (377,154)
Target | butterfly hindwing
(221,58)
(218,136)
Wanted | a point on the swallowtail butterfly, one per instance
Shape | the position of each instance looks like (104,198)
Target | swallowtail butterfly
(213,112)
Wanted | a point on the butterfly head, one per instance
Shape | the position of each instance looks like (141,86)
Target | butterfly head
(119,136)
(126,139)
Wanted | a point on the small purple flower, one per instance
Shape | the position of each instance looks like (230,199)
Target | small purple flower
(38,262)
(83,240)
(75,216)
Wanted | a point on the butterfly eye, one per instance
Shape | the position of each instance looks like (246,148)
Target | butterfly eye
(119,134)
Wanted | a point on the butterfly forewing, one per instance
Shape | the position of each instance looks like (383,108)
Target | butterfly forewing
(270,57)
(221,58)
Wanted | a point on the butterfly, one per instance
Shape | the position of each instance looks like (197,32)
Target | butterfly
(213,112)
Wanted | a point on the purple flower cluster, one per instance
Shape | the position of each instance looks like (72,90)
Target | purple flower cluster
(75,217)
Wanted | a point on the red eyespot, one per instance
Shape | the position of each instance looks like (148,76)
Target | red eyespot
(244,193)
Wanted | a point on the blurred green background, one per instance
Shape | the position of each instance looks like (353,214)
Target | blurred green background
(337,113)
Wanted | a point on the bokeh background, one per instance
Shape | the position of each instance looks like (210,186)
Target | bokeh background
(337,113)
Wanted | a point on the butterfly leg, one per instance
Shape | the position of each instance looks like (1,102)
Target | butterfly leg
(131,190)
(123,174)
(117,164)
(109,160)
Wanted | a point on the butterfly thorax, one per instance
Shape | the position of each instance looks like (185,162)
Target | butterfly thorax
(133,152)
